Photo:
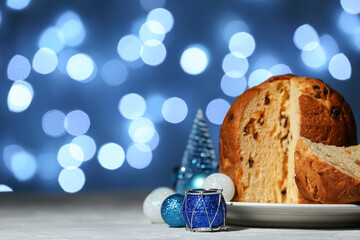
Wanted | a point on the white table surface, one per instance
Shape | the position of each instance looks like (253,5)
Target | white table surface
(118,216)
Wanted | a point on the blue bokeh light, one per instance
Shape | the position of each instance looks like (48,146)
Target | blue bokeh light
(72,29)
(349,23)
(139,156)
(114,72)
(5,188)
(71,179)
(129,48)
(63,59)
(163,16)
(233,87)
(153,54)
(233,27)
(315,58)
(17,4)
(216,110)
(194,59)
(154,141)
(9,151)
(23,165)
(280,69)
(340,67)
(111,156)
(132,106)
(152,30)
(174,110)
(356,39)
(258,76)
(329,45)
(351,6)
(45,61)
(265,61)
(235,66)
(20,96)
(52,38)
(80,67)
(141,130)
(306,38)
(19,68)
(242,43)
(77,123)
(70,155)
(53,123)
(87,145)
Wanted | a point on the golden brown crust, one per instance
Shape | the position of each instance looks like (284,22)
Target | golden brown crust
(321,182)
(324,117)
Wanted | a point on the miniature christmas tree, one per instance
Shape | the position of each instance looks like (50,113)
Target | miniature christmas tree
(199,156)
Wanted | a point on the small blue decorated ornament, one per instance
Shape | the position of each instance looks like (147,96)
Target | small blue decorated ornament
(197,180)
(171,210)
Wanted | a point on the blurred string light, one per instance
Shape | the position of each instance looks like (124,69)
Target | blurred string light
(315,58)
(356,39)
(114,72)
(174,110)
(163,16)
(52,38)
(20,96)
(18,68)
(5,188)
(45,61)
(47,170)
(329,45)
(68,31)
(17,4)
(77,123)
(53,123)
(80,67)
(70,155)
(129,48)
(71,179)
(194,59)
(258,76)
(280,69)
(153,107)
(154,141)
(23,165)
(150,31)
(72,29)
(111,156)
(242,44)
(233,87)
(340,67)
(306,38)
(132,106)
(9,152)
(265,61)
(233,27)
(141,130)
(351,6)
(235,66)
(216,110)
(139,156)
(348,23)
(87,145)
(150,5)
(154,54)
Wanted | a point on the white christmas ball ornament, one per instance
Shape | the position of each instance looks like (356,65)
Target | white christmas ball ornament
(152,203)
(221,181)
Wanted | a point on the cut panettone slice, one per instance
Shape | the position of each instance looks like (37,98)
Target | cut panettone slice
(326,173)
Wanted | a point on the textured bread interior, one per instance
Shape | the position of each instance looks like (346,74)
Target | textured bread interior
(345,159)
(266,131)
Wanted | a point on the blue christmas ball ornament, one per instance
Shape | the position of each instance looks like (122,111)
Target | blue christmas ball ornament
(171,210)
(197,180)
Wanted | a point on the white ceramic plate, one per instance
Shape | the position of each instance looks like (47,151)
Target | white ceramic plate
(293,215)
